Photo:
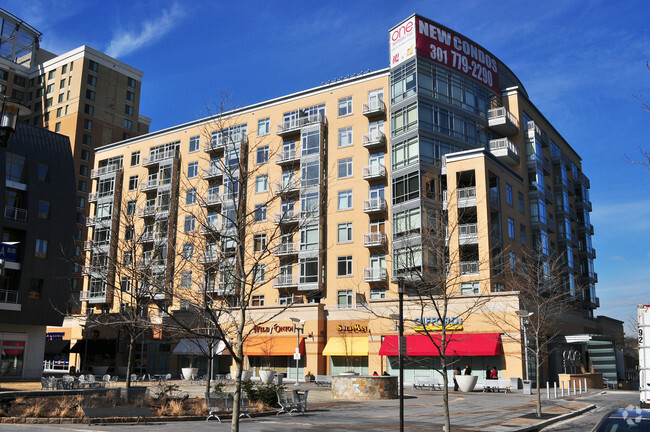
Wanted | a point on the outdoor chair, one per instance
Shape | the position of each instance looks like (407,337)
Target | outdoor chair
(82,381)
(134,378)
(218,404)
(114,379)
(45,384)
(106,379)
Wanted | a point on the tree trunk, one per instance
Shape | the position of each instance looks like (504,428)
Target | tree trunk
(237,396)
(209,374)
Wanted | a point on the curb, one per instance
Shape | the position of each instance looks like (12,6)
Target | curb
(557,419)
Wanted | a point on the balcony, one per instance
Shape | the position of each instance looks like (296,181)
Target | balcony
(153,210)
(100,221)
(374,139)
(16,213)
(212,173)
(90,270)
(156,158)
(285,281)
(468,234)
(108,169)
(8,296)
(375,275)
(225,289)
(96,245)
(211,200)
(285,249)
(208,258)
(466,197)
(93,297)
(287,156)
(287,187)
(374,239)
(374,205)
(502,121)
(469,268)
(211,228)
(149,185)
(505,150)
(287,217)
(373,108)
(374,172)
(294,125)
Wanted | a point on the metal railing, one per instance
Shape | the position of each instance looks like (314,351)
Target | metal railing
(374,239)
(158,157)
(285,249)
(469,267)
(287,156)
(374,204)
(374,274)
(374,106)
(373,138)
(8,296)
(504,143)
(16,213)
(108,169)
(283,281)
(374,171)
(289,216)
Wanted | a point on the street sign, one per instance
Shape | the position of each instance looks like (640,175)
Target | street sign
(8,251)
(296,356)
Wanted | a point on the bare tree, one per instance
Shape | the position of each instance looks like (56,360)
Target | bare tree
(545,298)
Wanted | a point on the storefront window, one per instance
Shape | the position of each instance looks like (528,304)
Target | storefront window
(11,357)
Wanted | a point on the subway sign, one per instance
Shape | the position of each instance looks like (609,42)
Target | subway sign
(444,46)
(435,323)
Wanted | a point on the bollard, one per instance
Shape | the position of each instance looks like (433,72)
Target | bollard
(562,388)
(548,391)
(580,385)
(554,390)
(574,388)
(585,385)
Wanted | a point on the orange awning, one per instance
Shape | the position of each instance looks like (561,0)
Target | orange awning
(272,346)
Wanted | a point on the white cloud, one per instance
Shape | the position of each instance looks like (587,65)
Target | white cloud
(125,42)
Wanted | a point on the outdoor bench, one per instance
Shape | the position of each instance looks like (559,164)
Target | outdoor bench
(323,381)
(428,384)
(496,385)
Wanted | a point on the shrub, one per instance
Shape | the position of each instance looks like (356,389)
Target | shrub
(262,393)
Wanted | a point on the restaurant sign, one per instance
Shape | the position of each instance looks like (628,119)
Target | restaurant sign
(355,328)
(435,323)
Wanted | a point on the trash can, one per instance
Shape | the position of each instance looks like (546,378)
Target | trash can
(527,386)
(300,397)
(278,379)
(515,382)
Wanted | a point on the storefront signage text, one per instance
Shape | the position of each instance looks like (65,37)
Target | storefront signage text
(435,323)
(356,328)
(274,328)
(54,335)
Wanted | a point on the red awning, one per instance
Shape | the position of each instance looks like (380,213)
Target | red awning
(465,344)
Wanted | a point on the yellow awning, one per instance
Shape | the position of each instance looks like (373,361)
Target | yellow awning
(346,346)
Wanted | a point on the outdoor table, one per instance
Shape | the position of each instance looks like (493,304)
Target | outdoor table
(159,377)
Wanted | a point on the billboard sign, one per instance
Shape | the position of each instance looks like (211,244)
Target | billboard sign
(446,47)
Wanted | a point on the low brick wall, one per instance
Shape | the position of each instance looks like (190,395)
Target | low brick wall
(364,387)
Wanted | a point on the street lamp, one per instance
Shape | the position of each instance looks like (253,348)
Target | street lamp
(523,315)
(402,348)
(298,327)
(9,112)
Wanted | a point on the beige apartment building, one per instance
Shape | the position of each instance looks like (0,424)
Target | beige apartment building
(84,94)
(349,188)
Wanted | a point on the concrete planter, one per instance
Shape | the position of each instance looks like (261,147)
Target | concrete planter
(466,383)
(189,373)
(246,375)
(267,375)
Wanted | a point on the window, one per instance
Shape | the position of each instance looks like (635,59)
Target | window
(92,65)
(344,265)
(257,300)
(345,200)
(130,207)
(50,88)
(128,110)
(57,127)
(263,126)
(59,112)
(467,288)
(133,183)
(83,170)
(15,167)
(89,109)
(92,80)
(82,186)
(85,155)
(259,273)
(188,251)
(511,228)
(81,202)
(61,97)
(19,81)
(130,96)
(192,169)
(522,234)
(513,262)
(90,94)
(190,222)
(344,299)
(345,106)
(125,284)
(520,198)
(308,270)
(345,167)
(261,183)
(186,279)
(48,103)
(130,82)
(87,140)
(377,293)
(262,154)
(88,125)
(509,194)
(43,209)
(135,158)
(344,232)
(41,248)
(194,143)
(406,188)
(309,238)
(285,299)
(260,212)
(128,124)
(345,136)
(259,242)
(129,231)
(190,196)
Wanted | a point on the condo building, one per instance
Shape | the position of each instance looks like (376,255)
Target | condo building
(345,185)
(84,94)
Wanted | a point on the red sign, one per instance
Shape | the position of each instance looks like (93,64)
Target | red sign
(451,49)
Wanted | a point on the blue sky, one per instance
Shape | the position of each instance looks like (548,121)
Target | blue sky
(582,63)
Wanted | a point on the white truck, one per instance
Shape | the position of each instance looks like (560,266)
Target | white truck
(644,355)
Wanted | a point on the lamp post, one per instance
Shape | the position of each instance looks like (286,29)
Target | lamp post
(9,112)
(523,315)
(298,327)
(401,348)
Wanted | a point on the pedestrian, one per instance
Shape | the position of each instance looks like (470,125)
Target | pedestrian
(375,373)
(488,373)
(456,372)
(385,374)
(468,370)
(494,374)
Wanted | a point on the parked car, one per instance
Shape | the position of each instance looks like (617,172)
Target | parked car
(623,420)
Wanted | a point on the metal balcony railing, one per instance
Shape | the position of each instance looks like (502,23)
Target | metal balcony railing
(374,239)
(16,213)
(374,205)
(374,274)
